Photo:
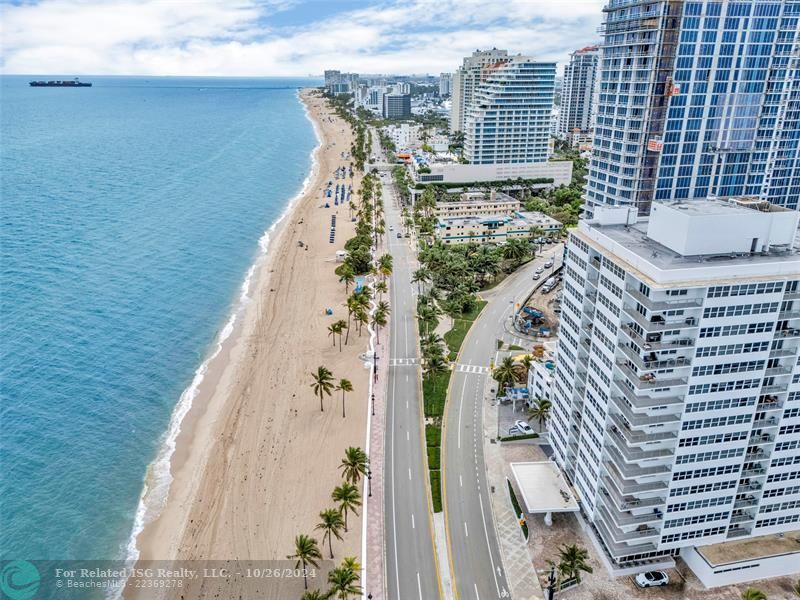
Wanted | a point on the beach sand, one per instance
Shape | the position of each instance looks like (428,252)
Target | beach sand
(256,460)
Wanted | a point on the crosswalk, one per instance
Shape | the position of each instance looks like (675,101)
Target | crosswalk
(402,362)
(471,369)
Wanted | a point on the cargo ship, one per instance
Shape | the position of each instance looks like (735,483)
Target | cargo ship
(65,83)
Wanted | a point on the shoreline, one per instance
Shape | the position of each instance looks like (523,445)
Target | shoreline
(254,444)
(158,477)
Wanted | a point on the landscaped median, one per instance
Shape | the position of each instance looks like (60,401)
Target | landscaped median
(434,395)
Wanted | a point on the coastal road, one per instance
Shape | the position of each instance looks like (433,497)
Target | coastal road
(410,564)
(474,553)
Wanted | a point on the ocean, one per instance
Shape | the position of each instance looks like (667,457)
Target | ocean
(130,215)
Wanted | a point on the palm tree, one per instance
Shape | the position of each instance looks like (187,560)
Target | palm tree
(306,551)
(378,321)
(361,317)
(341,325)
(354,465)
(351,562)
(527,361)
(314,595)
(348,499)
(332,331)
(753,594)
(431,339)
(515,250)
(419,277)
(381,288)
(346,276)
(434,366)
(540,411)
(505,373)
(385,265)
(344,386)
(343,583)
(573,561)
(331,524)
(323,384)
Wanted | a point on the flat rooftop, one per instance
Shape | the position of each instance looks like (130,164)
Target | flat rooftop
(543,487)
(750,549)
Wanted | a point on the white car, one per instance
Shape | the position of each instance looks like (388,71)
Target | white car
(536,276)
(651,579)
(391,227)
(523,427)
(539,270)
(548,264)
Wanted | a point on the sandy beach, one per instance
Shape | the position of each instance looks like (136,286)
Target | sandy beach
(256,460)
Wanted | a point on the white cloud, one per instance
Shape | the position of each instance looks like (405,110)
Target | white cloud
(238,37)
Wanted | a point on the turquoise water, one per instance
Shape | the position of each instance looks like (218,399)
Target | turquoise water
(131,212)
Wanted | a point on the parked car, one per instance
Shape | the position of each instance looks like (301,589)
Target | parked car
(391,227)
(399,236)
(651,579)
(523,427)
(407,234)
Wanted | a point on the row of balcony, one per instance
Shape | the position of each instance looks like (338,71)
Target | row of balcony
(654,342)
(667,304)
(650,380)
(644,402)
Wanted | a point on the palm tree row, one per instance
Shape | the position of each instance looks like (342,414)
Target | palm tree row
(332,522)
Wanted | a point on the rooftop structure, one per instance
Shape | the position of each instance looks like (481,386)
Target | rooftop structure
(543,488)
(478,204)
(495,229)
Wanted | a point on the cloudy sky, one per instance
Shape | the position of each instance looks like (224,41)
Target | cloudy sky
(281,37)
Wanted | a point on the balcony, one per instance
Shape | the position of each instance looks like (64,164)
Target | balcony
(659,305)
(753,472)
(789,314)
(640,534)
(768,422)
(634,471)
(748,487)
(745,502)
(653,341)
(645,402)
(787,333)
(652,326)
(737,533)
(760,438)
(627,502)
(742,518)
(644,420)
(620,549)
(649,380)
(644,363)
(636,455)
(625,519)
(778,371)
(635,438)
(782,353)
(792,295)
(774,389)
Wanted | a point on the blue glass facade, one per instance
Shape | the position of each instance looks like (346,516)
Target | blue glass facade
(698,98)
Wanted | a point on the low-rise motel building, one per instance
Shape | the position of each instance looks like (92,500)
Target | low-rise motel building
(489,219)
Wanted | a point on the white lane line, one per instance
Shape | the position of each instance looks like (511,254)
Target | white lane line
(460,410)
(466,531)
(413,524)
(409,473)
(477,595)
(394,507)
(408,436)
(488,546)
(419,586)
(460,481)
(406,403)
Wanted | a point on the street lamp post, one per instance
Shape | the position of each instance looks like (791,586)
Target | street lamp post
(369,482)
(375,366)
(373,405)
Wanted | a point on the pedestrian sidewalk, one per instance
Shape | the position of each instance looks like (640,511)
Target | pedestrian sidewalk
(517,559)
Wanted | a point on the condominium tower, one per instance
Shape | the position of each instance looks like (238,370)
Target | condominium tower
(466,79)
(445,81)
(508,119)
(677,388)
(578,92)
(695,99)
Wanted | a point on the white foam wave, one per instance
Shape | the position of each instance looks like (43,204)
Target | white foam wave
(158,478)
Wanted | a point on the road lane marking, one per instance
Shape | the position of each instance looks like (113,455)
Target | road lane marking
(413,524)
(477,595)
(408,436)
(460,481)
(419,586)
(488,545)
(466,531)
(409,473)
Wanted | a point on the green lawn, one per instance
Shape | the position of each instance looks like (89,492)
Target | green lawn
(434,393)
(433,435)
(434,453)
(455,337)
(436,490)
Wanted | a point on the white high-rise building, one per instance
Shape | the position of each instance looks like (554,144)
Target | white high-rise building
(466,79)
(578,92)
(676,403)
(509,118)
(445,79)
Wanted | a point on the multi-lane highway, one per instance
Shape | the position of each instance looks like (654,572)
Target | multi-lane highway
(474,553)
(411,570)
